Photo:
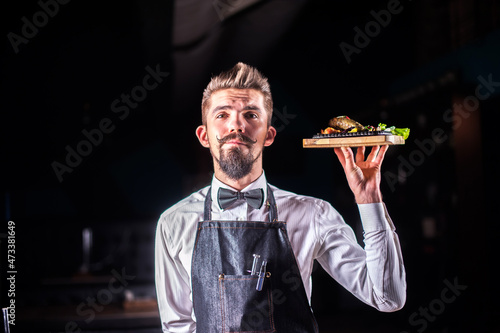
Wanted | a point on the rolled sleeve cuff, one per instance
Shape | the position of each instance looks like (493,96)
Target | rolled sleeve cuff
(374,217)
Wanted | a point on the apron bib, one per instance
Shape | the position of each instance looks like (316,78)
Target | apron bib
(227,297)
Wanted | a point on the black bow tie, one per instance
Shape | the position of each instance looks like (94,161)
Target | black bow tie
(227,197)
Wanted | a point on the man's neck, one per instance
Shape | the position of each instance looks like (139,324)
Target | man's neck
(238,184)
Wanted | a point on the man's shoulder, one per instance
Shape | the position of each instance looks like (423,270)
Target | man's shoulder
(299,199)
(177,224)
(293,206)
(192,204)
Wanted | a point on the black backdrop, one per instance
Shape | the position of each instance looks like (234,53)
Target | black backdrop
(99,102)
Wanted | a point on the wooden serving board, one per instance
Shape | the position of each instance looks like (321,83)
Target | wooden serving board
(354,141)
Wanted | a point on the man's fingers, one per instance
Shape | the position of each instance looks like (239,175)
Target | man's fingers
(340,155)
(360,154)
(373,154)
(348,157)
(381,154)
(345,156)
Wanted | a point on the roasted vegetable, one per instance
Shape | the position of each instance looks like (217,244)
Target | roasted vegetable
(330,130)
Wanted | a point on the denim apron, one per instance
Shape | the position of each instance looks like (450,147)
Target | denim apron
(225,293)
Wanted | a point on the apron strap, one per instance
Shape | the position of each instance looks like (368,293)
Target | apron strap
(273,210)
(207,212)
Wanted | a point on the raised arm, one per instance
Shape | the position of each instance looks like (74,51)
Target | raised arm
(375,274)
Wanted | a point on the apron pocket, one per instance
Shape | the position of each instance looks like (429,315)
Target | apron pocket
(243,308)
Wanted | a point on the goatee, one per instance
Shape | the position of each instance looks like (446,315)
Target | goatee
(235,163)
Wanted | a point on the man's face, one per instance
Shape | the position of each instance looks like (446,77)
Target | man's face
(236,130)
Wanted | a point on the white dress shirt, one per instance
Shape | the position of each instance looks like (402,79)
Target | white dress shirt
(375,274)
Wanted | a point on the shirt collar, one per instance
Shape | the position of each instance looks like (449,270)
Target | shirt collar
(260,182)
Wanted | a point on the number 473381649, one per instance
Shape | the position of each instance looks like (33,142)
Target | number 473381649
(11,245)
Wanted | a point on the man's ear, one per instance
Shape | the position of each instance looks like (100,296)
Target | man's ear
(201,134)
(271,134)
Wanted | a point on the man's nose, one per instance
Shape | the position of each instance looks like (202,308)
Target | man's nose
(236,124)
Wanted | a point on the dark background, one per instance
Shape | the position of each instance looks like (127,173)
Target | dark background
(60,78)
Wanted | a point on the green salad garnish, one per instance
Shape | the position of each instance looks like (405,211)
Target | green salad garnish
(404,132)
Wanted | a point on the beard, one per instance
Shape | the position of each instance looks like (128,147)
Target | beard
(235,163)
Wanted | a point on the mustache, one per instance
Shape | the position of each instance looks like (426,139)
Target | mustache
(238,136)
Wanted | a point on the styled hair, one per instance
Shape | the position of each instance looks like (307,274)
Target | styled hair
(241,76)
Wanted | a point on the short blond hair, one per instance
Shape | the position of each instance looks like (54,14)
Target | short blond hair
(241,76)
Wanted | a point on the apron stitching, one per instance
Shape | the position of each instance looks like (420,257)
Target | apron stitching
(271,317)
(297,264)
(195,244)
(222,304)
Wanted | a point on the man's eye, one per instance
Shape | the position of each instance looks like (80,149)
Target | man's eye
(220,115)
(252,115)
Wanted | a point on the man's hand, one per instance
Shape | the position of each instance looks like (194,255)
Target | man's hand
(363,176)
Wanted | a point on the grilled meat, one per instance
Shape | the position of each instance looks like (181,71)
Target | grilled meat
(343,123)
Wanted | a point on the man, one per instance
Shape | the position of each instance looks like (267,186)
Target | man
(237,256)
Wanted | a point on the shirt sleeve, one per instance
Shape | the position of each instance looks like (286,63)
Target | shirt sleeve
(172,285)
(375,274)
